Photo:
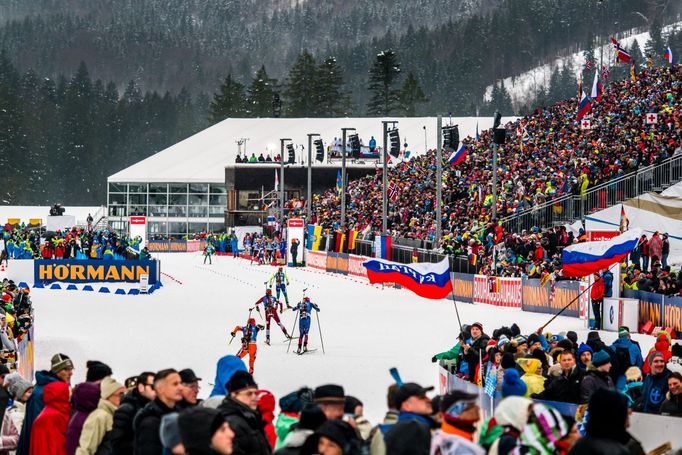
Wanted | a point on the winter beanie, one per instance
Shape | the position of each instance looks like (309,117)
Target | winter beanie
(566,345)
(97,371)
(623,332)
(512,385)
(60,362)
(676,350)
(508,361)
(169,431)
(600,358)
(17,386)
(571,335)
(109,386)
(653,355)
(196,427)
(502,341)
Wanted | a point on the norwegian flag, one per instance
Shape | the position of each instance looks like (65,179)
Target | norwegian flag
(392,192)
(588,65)
(605,72)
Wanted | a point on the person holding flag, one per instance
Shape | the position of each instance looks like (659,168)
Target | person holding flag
(668,55)
(473,351)
(304,309)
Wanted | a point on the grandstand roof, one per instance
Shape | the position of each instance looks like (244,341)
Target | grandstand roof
(203,156)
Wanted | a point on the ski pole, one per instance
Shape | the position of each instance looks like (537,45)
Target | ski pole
(291,335)
(319,327)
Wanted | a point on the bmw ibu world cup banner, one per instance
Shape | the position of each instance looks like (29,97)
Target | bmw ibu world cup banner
(77,271)
(425,279)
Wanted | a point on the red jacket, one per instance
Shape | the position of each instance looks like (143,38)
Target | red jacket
(48,433)
(266,406)
(597,291)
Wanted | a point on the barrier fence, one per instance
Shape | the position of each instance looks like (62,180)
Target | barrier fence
(662,310)
(91,271)
(176,246)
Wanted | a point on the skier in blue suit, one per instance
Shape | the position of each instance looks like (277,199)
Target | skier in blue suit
(304,309)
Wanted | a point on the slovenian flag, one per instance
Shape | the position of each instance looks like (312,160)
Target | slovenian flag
(584,107)
(458,156)
(596,88)
(428,280)
(668,55)
(583,259)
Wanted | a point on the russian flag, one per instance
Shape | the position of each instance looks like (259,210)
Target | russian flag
(458,156)
(668,55)
(428,280)
(586,258)
(596,88)
(584,107)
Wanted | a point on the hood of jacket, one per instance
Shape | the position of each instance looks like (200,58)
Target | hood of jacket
(529,366)
(513,411)
(85,397)
(44,377)
(297,437)
(56,396)
(225,368)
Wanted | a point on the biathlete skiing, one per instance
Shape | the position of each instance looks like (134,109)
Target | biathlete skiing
(249,336)
(270,306)
(281,282)
(304,309)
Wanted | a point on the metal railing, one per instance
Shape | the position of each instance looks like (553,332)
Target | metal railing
(568,208)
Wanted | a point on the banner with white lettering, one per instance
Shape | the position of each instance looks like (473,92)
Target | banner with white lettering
(77,271)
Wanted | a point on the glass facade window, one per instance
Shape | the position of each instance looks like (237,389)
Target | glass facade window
(198,199)
(177,199)
(137,188)
(118,187)
(175,210)
(158,188)
(198,187)
(117,198)
(218,200)
(218,189)
(158,199)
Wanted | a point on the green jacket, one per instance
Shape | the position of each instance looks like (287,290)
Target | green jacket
(283,427)
(449,355)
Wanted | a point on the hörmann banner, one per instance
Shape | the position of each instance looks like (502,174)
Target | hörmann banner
(76,271)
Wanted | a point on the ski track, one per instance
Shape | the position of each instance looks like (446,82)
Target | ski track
(367,329)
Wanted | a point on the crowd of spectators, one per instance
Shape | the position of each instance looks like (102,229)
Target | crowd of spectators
(547,155)
(74,243)
(253,159)
(155,413)
(16,319)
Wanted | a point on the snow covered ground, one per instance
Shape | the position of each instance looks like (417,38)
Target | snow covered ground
(187,323)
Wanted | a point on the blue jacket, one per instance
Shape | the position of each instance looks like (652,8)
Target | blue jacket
(653,392)
(34,406)
(608,283)
(633,349)
(226,367)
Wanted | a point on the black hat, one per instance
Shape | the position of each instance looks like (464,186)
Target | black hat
(329,393)
(533,338)
(197,426)
(187,376)
(453,397)
(478,324)
(3,369)
(311,418)
(408,437)
(410,389)
(508,361)
(240,380)
(593,336)
(97,371)
(350,404)
(571,335)
(516,331)
(341,433)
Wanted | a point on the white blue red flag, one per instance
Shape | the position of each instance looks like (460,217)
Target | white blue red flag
(621,54)
(669,55)
(425,279)
(583,259)
(458,156)
(584,107)
(596,88)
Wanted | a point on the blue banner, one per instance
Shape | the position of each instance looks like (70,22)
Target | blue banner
(650,306)
(551,297)
(75,271)
(463,287)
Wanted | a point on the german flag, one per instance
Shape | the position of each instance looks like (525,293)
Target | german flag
(352,235)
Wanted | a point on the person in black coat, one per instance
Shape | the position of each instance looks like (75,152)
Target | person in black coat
(147,422)
(476,349)
(565,387)
(606,429)
(122,434)
(596,343)
(597,376)
(672,406)
(240,410)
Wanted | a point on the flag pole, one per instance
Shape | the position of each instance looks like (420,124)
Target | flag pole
(454,301)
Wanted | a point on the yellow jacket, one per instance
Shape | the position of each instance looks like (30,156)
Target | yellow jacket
(535,382)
